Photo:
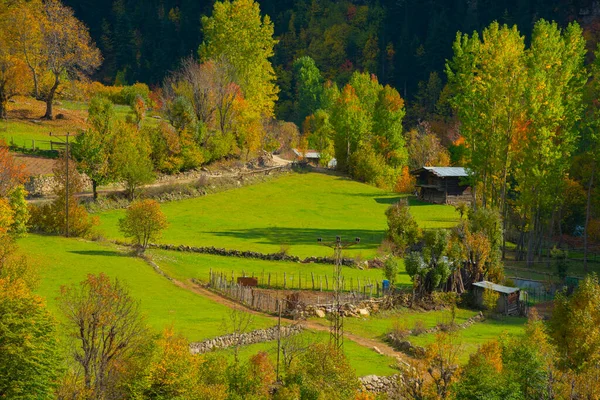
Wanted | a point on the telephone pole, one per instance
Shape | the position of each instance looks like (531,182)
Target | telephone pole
(336,328)
(67,136)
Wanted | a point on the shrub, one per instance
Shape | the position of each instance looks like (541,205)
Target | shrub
(403,229)
(419,328)
(390,270)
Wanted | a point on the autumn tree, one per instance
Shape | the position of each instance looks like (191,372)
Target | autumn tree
(26,21)
(556,77)
(237,33)
(28,335)
(143,222)
(426,150)
(12,172)
(487,76)
(68,48)
(321,371)
(93,147)
(107,330)
(12,79)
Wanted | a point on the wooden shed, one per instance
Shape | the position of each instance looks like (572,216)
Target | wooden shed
(442,185)
(508,300)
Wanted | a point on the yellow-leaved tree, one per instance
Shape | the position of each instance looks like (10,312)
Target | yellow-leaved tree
(237,33)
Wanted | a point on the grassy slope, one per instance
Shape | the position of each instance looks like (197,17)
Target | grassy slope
(25,124)
(377,326)
(364,361)
(67,261)
(293,210)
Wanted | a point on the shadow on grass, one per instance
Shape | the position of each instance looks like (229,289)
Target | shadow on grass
(105,253)
(303,236)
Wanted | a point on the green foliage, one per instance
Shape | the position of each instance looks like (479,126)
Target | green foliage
(572,327)
(561,262)
(20,209)
(390,270)
(368,166)
(131,158)
(309,88)
(28,336)
(143,222)
(403,229)
(431,267)
(93,147)
(226,36)
(490,300)
(322,372)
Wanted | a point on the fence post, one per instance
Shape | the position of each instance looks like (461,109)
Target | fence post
(326,283)
(312,276)
(284,280)
(269,285)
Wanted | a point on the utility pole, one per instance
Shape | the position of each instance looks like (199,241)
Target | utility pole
(336,328)
(67,135)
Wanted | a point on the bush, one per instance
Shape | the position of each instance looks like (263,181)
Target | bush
(368,166)
(390,270)
(419,328)
(403,229)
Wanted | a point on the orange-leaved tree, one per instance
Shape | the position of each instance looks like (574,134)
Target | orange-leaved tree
(67,45)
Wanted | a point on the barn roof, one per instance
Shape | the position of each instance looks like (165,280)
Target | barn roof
(444,172)
(496,288)
(307,154)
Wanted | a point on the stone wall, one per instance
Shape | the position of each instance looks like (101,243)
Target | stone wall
(43,185)
(400,343)
(381,385)
(257,336)
(247,254)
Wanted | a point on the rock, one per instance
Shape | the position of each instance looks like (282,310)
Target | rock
(363,312)
(377,350)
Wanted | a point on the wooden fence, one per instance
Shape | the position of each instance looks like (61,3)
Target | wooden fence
(306,281)
(265,301)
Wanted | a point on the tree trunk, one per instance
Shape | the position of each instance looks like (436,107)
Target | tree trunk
(587,220)
(94,189)
(3,101)
(50,98)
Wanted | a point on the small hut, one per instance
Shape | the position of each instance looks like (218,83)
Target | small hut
(442,185)
(508,300)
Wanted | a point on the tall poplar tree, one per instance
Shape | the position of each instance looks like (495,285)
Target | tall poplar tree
(238,34)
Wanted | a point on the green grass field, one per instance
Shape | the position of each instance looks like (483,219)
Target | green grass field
(365,361)
(66,261)
(470,339)
(378,325)
(184,266)
(292,211)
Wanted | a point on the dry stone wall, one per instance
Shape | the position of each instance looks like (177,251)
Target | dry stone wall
(257,336)
(381,385)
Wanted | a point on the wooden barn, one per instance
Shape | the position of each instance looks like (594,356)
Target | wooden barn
(508,299)
(442,185)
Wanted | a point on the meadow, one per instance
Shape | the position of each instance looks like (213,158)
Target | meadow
(68,261)
(288,213)
(25,128)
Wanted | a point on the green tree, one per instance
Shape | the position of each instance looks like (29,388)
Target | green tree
(390,270)
(237,33)
(131,158)
(93,147)
(143,222)
(309,88)
(18,203)
(387,127)
(403,229)
(573,326)
(431,267)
